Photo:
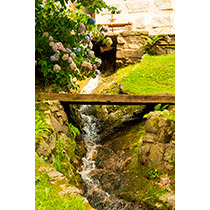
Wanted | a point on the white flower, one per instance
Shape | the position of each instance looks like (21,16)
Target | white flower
(56,68)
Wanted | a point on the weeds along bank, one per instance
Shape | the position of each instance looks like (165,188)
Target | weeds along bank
(59,150)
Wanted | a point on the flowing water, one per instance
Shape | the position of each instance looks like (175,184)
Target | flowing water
(98,198)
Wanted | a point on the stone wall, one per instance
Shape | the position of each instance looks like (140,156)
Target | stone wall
(149,15)
(129,46)
(158,147)
(57,119)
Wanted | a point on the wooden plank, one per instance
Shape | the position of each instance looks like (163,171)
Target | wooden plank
(116,24)
(108,99)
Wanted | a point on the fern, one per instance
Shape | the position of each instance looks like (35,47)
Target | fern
(74,131)
(41,127)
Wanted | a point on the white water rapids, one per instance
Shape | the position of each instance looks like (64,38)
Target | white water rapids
(90,136)
(99,199)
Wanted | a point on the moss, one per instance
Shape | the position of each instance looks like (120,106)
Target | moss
(134,185)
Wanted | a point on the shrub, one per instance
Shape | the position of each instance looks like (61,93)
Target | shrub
(63,43)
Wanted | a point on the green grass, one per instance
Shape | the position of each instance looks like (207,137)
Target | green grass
(47,197)
(153,75)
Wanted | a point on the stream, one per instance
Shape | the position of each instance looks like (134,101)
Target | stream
(97,197)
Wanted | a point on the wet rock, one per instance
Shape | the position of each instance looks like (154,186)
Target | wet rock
(157,50)
(56,124)
(149,138)
(53,174)
(144,152)
(156,155)
(43,149)
(120,40)
(151,125)
(158,141)
(71,190)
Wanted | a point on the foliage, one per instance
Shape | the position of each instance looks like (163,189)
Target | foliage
(172,158)
(47,196)
(169,115)
(159,107)
(63,47)
(95,5)
(92,6)
(152,41)
(74,131)
(152,174)
(41,127)
(65,155)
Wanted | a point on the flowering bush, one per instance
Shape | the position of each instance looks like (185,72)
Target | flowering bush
(63,43)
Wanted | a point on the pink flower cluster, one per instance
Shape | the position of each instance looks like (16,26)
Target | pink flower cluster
(87,65)
(73,66)
(69,56)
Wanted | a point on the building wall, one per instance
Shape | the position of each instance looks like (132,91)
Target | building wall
(145,15)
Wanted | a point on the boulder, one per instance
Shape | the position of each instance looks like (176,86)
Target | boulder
(43,149)
(156,155)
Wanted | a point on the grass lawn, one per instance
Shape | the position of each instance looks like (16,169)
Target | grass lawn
(153,75)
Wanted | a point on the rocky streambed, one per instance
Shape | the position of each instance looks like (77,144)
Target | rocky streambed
(122,153)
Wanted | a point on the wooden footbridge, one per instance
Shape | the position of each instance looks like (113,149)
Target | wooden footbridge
(120,99)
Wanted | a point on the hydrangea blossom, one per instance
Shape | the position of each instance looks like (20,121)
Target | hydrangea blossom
(51,44)
(56,68)
(50,38)
(92,21)
(73,66)
(68,50)
(52,58)
(45,34)
(73,55)
(70,59)
(95,66)
(78,50)
(65,57)
(84,63)
(57,52)
(87,65)
(90,54)
(98,62)
(55,48)
(59,45)
(87,39)
(57,57)
(81,28)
